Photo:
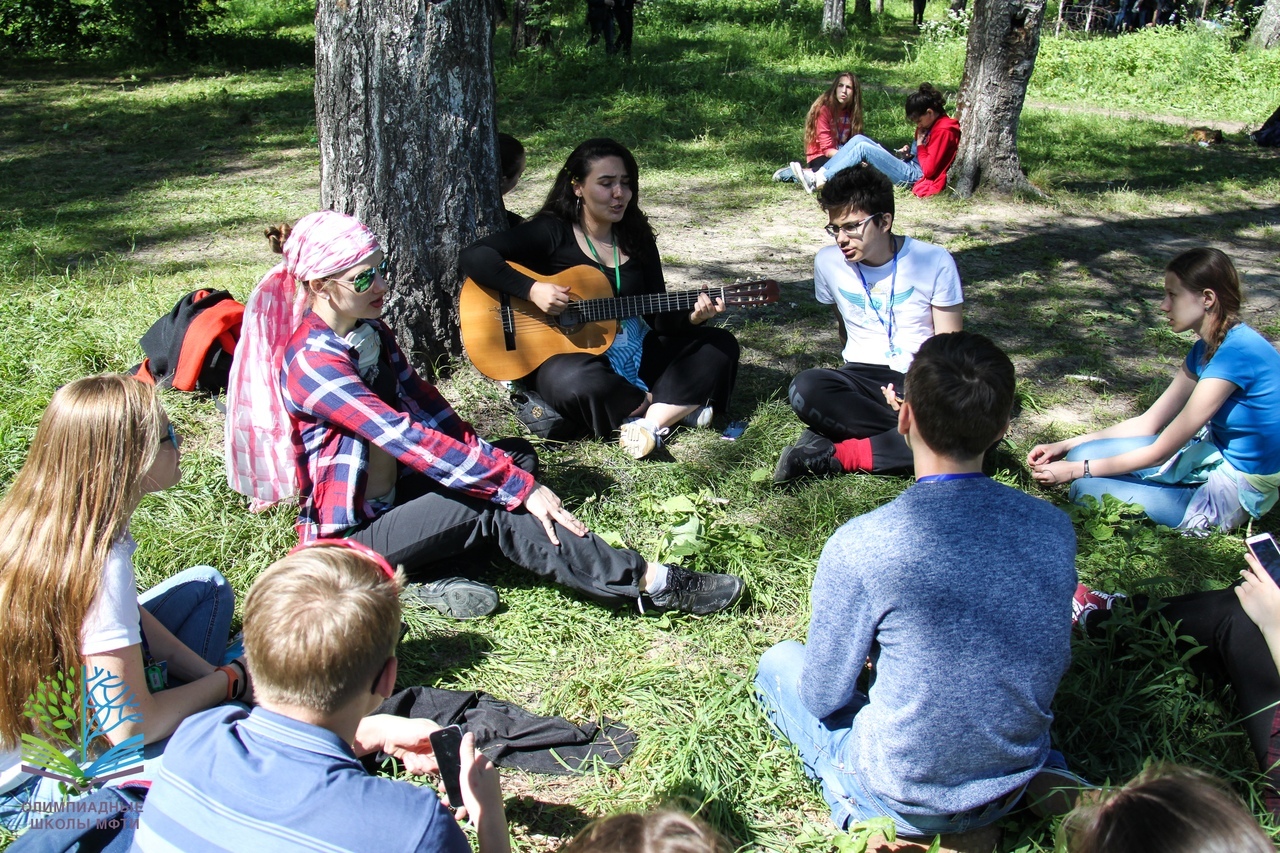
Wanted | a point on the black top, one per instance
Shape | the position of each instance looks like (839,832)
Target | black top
(547,246)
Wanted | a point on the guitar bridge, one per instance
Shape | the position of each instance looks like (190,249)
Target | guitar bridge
(508,322)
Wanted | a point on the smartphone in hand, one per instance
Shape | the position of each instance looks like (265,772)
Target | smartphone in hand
(1264,549)
(446,743)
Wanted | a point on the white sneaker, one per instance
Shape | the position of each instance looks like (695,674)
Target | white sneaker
(804,176)
(640,437)
(698,418)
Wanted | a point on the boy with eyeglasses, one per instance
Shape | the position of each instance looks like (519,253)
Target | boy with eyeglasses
(890,294)
(320,631)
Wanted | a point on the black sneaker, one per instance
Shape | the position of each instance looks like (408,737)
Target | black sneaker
(458,598)
(699,593)
(815,457)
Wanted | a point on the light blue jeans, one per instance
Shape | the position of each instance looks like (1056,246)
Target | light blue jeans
(864,149)
(1163,503)
(821,744)
(196,605)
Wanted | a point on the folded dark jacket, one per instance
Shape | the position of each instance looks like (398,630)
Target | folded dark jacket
(513,737)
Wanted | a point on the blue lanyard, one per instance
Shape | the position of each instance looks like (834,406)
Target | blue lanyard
(942,478)
(893,286)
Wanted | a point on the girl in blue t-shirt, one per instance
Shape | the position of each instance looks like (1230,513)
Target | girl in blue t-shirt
(1207,453)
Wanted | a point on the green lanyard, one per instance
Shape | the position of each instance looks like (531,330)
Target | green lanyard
(617,271)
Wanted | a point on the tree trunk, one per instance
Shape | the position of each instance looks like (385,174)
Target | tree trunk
(833,18)
(862,10)
(408,145)
(1266,32)
(1004,38)
(528,25)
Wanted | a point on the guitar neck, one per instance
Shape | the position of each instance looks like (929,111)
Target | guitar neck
(621,307)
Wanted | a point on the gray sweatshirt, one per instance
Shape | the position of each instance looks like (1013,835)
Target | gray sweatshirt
(960,592)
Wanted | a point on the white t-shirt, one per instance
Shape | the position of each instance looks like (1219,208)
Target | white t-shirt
(111,623)
(903,294)
(113,619)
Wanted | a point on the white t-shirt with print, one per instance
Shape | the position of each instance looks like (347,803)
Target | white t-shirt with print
(112,622)
(903,294)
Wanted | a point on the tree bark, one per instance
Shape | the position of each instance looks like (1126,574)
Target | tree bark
(833,18)
(408,145)
(862,10)
(528,19)
(1004,38)
(1266,32)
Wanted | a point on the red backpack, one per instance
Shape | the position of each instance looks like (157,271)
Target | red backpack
(191,347)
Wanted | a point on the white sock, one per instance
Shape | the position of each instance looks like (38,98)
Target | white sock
(659,582)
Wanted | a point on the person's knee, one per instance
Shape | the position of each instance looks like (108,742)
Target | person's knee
(804,388)
(779,667)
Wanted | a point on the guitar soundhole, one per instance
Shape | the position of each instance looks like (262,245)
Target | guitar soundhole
(569,319)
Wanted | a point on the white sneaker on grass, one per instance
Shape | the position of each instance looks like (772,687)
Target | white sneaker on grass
(804,176)
(698,418)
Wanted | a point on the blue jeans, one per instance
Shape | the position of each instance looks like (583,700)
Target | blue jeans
(1163,503)
(863,149)
(821,744)
(196,606)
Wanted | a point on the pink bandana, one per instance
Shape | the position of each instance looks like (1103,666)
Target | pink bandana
(258,445)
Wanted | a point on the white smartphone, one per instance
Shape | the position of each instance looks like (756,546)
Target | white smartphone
(1264,549)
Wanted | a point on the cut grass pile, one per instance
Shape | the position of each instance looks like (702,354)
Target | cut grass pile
(127,187)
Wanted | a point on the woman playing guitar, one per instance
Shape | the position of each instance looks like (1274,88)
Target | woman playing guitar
(661,370)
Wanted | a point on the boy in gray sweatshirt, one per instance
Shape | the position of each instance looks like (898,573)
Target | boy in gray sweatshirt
(941,622)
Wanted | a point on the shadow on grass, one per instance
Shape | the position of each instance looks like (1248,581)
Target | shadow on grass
(557,820)
(85,147)
(1102,316)
(441,657)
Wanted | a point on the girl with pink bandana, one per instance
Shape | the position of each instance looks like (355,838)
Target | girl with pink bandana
(323,404)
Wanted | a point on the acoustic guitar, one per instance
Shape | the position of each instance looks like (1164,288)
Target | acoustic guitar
(507,337)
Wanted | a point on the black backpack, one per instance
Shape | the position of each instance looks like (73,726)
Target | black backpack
(191,347)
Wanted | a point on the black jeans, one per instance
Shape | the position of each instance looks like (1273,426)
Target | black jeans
(431,523)
(847,402)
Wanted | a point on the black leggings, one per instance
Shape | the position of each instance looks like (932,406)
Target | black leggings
(697,367)
(847,403)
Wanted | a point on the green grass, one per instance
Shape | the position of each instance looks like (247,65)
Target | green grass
(128,185)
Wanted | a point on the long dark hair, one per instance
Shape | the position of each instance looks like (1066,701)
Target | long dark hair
(1207,268)
(827,100)
(634,233)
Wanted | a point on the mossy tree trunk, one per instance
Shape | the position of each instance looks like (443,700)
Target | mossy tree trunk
(833,18)
(862,10)
(528,24)
(408,144)
(1004,38)
(1266,32)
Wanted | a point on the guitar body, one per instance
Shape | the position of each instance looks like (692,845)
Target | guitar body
(508,338)
(516,348)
